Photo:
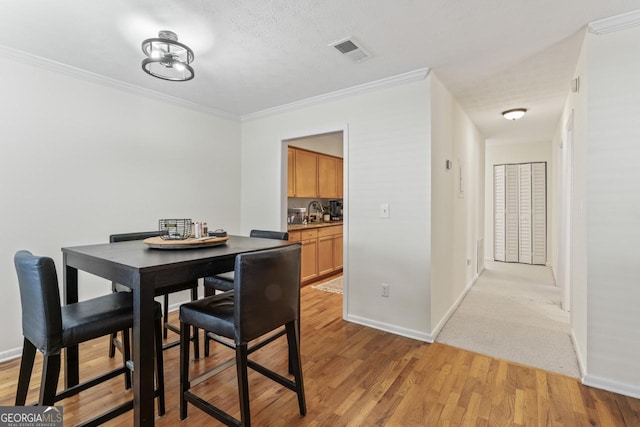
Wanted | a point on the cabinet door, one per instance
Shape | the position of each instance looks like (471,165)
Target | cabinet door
(337,252)
(340,174)
(306,174)
(309,260)
(291,172)
(325,255)
(327,176)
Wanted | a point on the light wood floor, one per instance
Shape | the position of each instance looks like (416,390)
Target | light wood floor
(357,376)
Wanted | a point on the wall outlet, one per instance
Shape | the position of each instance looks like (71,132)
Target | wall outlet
(385,290)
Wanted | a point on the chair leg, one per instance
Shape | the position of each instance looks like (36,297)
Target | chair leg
(196,335)
(185,331)
(26,368)
(243,383)
(165,316)
(159,366)
(49,383)
(126,356)
(207,293)
(294,353)
(112,345)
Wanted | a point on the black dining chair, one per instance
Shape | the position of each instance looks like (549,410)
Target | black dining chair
(49,327)
(265,297)
(163,291)
(224,281)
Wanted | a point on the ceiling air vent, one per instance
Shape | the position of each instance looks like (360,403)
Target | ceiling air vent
(351,49)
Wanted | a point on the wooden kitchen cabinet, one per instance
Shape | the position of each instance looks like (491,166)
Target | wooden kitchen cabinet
(309,255)
(291,172)
(325,255)
(321,251)
(340,177)
(313,175)
(329,257)
(306,174)
(327,177)
(338,262)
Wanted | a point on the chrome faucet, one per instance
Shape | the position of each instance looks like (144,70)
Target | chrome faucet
(317,205)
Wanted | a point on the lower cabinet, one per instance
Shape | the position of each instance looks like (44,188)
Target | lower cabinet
(321,251)
(308,260)
(325,255)
(337,251)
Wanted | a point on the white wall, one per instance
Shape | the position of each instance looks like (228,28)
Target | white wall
(387,160)
(80,161)
(497,154)
(572,267)
(457,213)
(613,211)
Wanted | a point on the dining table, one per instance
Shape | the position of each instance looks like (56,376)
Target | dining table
(142,268)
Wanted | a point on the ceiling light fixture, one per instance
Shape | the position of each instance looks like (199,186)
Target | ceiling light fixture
(167,59)
(515,114)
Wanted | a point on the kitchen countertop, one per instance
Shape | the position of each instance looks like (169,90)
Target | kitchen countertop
(295,227)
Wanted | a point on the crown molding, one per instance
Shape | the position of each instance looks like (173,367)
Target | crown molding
(89,76)
(58,67)
(411,76)
(615,23)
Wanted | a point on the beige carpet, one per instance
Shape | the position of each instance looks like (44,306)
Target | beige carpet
(333,286)
(513,313)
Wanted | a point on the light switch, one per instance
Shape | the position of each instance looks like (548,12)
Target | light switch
(384,210)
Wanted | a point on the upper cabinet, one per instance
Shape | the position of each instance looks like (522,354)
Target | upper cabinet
(313,175)
(291,172)
(340,178)
(327,177)
(306,174)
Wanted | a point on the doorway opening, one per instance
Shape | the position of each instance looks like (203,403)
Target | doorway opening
(314,175)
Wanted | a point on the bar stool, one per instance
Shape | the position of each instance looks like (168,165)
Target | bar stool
(224,281)
(49,327)
(163,291)
(265,297)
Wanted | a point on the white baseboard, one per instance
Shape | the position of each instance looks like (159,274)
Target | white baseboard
(394,329)
(631,390)
(11,354)
(410,333)
(454,307)
(581,362)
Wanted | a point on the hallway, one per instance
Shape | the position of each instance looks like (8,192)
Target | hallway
(513,313)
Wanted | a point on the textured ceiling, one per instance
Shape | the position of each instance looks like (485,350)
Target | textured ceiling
(252,55)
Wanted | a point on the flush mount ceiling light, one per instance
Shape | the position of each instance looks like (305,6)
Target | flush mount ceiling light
(167,59)
(515,114)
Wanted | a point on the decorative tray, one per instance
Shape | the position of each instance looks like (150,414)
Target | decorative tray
(190,243)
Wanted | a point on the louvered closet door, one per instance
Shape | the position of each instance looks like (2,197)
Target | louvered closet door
(539,213)
(524,213)
(498,212)
(520,213)
(511,213)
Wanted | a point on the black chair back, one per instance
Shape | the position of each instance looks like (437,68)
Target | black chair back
(40,300)
(127,237)
(266,234)
(140,235)
(267,291)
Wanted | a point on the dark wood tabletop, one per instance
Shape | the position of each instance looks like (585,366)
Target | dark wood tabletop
(141,268)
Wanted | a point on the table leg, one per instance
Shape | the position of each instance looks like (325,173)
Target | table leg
(71,361)
(143,354)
